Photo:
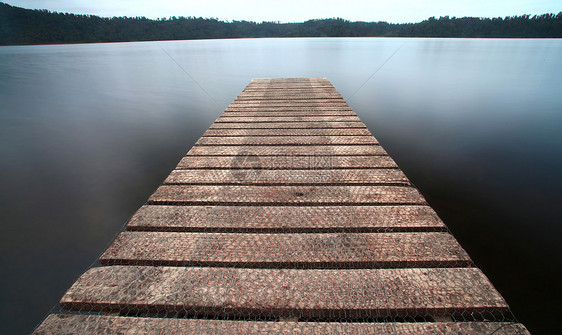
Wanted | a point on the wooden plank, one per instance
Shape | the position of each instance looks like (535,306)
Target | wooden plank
(70,324)
(292,125)
(288,98)
(288,89)
(265,96)
(289,103)
(323,90)
(282,110)
(313,100)
(287,132)
(288,195)
(289,140)
(289,177)
(281,87)
(290,80)
(287,150)
(295,85)
(263,81)
(293,102)
(282,101)
(302,251)
(289,83)
(270,81)
(284,292)
(296,93)
(304,219)
(249,119)
(311,162)
(230,113)
(311,92)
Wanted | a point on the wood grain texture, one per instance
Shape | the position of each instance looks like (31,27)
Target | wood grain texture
(284,292)
(94,324)
(295,219)
(286,217)
(302,251)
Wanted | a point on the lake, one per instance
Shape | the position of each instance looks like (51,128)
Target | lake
(89,131)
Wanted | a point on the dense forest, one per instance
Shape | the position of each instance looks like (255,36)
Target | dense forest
(25,26)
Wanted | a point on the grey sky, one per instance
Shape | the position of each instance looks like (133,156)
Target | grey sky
(397,11)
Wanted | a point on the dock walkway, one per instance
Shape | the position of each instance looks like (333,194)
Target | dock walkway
(287,216)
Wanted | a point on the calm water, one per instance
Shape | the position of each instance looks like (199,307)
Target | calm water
(87,132)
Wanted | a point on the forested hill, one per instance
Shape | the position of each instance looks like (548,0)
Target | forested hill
(24,26)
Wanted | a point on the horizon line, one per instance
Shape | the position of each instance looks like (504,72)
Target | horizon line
(276,21)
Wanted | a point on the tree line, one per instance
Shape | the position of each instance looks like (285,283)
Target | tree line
(25,26)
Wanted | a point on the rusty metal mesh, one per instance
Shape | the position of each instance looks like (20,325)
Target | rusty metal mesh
(299,224)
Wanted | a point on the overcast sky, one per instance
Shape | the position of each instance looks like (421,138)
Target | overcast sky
(395,11)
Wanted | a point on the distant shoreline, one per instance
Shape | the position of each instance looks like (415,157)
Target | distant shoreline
(20,26)
(258,38)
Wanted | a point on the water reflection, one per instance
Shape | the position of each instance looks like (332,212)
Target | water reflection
(89,131)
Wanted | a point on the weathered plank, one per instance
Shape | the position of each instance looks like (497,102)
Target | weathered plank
(293,86)
(287,195)
(311,162)
(289,106)
(260,113)
(289,177)
(266,96)
(66,324)
(288,125)
(250,250)
(271,119)
(286,150)
(319,91)
(287,82)
(304,219)
(329,100)
(293,102)
(288,140)
(288,99)
(314,93)
(290,83)
(290,103)
(284,292)
(283,110)
(290,80)
(286,132)
(289,89)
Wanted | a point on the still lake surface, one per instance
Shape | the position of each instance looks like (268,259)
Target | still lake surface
(87,133)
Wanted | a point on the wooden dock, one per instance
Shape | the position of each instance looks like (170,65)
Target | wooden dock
(288,217)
